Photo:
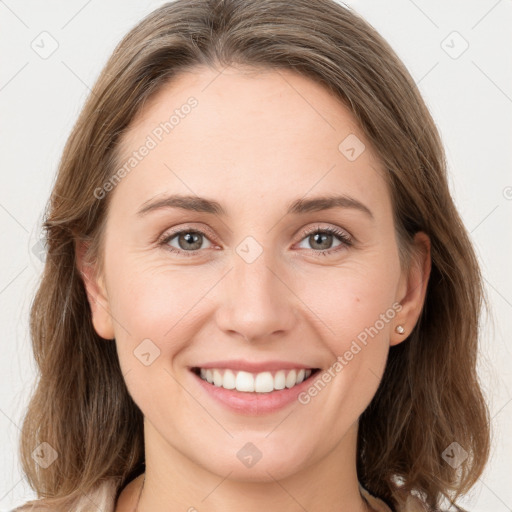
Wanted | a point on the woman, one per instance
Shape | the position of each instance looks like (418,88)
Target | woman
(258,292)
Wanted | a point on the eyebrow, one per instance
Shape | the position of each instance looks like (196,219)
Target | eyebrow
(297,207)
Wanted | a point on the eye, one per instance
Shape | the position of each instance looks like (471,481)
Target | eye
(189,241)
(321,238)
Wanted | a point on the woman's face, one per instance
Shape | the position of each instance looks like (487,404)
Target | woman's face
(255,275)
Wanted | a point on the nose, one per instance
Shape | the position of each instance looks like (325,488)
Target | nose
(257,301)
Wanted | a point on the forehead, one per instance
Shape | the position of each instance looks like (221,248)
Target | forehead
(244,134)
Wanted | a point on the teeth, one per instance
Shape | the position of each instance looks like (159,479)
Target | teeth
(217,378)
(264,382)
(244,381)
(229,380)
(280,380)
(291,379)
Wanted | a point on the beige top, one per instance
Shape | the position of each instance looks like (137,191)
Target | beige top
(412,504)
(104,499)
(376,504)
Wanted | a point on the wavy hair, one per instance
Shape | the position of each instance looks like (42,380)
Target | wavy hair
(429,396)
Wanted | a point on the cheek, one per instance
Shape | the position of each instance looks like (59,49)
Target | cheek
(152,300)
(156,303)
(154,312)
(356,309)
(355,306)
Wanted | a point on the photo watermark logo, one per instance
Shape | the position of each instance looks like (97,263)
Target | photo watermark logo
(341,361)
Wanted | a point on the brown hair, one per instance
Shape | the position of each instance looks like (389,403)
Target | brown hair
(429,396)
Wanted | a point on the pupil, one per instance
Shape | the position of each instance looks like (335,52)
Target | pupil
(192,238)
(323,237)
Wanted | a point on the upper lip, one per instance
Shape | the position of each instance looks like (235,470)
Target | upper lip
(254,367)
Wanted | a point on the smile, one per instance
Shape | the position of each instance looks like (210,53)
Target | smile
(262,382)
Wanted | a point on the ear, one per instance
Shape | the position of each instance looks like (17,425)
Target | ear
(413,288)
(96,294)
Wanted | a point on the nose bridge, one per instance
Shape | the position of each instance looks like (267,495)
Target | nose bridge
(257,303)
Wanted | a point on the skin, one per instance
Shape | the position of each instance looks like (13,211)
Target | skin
(255,142)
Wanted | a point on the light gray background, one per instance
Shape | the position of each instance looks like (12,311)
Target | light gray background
(470,97)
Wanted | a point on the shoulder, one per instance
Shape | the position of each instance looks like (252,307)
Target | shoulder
(412,504)
(103,496)
(375,503)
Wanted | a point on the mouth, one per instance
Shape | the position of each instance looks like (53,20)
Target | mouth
(261,382)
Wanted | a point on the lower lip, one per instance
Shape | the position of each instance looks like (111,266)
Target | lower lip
(255,404)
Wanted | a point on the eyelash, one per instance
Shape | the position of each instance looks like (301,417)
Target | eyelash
(345,239)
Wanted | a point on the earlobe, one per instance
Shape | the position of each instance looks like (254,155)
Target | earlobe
(413,291)
(96,294)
